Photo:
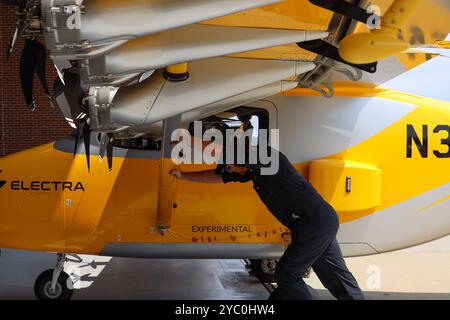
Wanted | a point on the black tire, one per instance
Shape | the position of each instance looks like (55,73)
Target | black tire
(264,270)
(43,283)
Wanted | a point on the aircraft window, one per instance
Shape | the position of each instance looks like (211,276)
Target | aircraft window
(255,124)
(139,144)
(235,119)
(232,119)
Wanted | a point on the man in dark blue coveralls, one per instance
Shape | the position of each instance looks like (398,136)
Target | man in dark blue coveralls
(312,221)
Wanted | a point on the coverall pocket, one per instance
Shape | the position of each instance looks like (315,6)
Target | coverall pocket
(300,213)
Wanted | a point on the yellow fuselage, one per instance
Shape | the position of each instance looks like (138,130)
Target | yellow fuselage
(50,202)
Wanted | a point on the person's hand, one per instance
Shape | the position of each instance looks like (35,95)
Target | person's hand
(234,169)
(177,173)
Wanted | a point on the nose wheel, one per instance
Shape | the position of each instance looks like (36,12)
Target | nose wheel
(43,286)
(54,284)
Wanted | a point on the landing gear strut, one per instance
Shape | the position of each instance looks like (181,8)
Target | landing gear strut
(55,284)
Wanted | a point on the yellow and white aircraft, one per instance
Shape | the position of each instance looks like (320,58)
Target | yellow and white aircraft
(363,114)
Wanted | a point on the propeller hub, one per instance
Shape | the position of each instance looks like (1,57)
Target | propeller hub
(29,19)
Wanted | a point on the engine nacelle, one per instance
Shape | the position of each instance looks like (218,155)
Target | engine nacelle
(74,28)
(213,82)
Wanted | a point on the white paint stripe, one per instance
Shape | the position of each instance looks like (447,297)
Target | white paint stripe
(400,226)
(314,128)
(425,80)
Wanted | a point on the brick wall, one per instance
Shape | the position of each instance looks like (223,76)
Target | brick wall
(19,127)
